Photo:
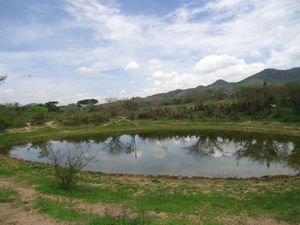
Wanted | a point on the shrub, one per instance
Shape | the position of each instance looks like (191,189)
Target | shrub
(4,123)
(68,163)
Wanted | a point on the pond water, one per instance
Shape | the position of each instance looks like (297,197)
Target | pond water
(197,154)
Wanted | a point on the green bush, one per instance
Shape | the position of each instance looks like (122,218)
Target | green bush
(4,123)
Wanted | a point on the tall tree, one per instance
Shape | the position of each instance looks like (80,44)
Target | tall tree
(52,106)
(87,102)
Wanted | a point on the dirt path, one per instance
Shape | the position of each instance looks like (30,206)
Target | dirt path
(123,119)
(22,213)
(29,127)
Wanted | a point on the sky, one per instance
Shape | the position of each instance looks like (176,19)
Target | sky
(67,50)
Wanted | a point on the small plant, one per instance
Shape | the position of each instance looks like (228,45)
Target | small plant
(8,195)
(4,123)
(155,180)
(67,163)
(124,219)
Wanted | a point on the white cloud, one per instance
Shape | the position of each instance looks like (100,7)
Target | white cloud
(108,20)
(215,62)
(8,91)
(86,70)
(233,39)
(132,65)
(226,67)
(285,59)
(206,71)
(154,64)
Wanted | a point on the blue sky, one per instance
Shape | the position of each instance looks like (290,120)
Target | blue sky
(75,49)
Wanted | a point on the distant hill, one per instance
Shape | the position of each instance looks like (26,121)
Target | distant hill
(218,83)
(270,76)
(161,96)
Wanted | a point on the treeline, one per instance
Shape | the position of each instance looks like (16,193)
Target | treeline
(262,102)
(275,102)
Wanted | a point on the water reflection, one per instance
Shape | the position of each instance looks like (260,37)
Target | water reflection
(293,159)
(131,146)
(43,147)
(114,145)
(207,146)
(265,151)
(202,154)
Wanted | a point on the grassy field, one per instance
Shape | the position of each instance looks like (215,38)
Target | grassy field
(107,199)
(30,191)
(143,126)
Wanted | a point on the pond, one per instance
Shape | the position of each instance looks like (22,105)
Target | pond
(203,154)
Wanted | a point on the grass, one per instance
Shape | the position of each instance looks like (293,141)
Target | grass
(65,212)
(87,193)
(146,126)
(60,211)
(283,205)
(167,200)
(8,195)
(117,221)
(181,201)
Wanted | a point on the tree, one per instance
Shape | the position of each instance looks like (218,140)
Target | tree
(87,102)
(4,122)
(199,97)
(52,106)
(131,105)
(254,99)
(293,91)
(67,163)
(39,113)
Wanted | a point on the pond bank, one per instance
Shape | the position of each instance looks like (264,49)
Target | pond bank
(163,200)
(146,126)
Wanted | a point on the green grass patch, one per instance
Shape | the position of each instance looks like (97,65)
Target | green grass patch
(119,221)
(66,212)
(278,199)
(163,201)
(87,193)
(59,210)
(282,205)
(8,195)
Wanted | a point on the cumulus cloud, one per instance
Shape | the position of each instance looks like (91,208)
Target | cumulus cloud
(132,65)
(232,39)
(212,63)
(226,67)
(206,71)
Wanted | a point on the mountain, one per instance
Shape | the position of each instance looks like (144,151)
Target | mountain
(272,76)
(269,76)
(218,84)
(161,96)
